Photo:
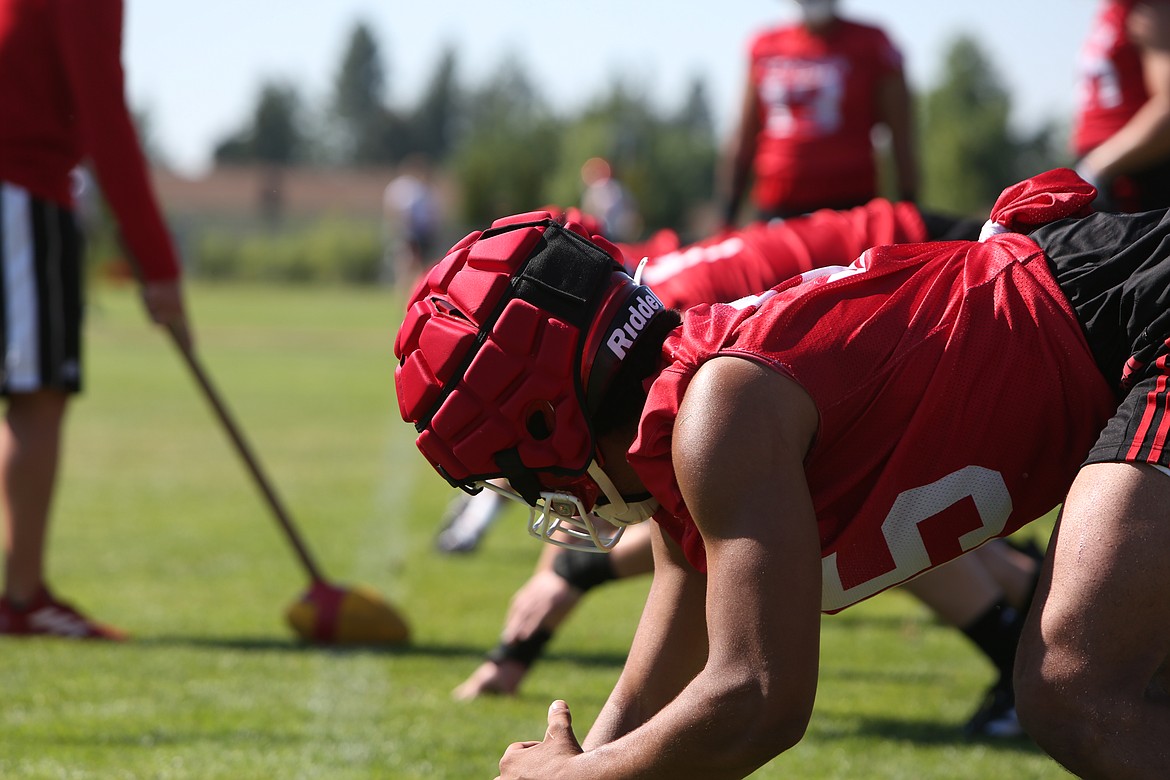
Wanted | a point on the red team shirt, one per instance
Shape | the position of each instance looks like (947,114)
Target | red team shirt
(1112,87)
(894,351)
(817,106)
(62,99)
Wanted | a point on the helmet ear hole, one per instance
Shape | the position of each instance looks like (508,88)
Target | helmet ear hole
(448,308)
(538,420)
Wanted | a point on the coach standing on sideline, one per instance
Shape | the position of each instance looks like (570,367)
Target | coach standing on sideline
(61,101)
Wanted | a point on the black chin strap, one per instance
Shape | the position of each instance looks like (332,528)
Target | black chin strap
(522,480)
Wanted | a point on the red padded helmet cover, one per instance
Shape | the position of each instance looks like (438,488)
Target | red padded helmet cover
(490,351)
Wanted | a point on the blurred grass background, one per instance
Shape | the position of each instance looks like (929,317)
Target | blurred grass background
(159,530)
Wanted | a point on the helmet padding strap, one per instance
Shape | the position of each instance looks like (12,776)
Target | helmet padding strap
(567,290)
(519,476)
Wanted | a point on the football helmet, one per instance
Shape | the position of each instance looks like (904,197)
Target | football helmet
(507,349)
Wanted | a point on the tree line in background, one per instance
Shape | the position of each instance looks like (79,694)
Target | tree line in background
(506,150)
(499,140)
(509,151)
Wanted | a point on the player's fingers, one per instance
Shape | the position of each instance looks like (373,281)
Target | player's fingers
(514,748)
(510,757)
(560,723)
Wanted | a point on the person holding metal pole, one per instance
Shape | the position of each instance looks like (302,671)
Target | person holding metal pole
(62,102)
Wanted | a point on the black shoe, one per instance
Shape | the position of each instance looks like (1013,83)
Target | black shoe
(996,716)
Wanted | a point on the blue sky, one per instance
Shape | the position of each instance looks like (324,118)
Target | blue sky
(196,67)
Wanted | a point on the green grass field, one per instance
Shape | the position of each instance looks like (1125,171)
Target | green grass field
(159,530)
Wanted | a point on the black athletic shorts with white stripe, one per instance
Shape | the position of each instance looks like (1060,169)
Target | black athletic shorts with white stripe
(40,294)
(1115,269)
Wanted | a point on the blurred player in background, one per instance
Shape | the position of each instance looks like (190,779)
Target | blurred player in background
(61,102)
(1122,133)
(814,93)
(608,201)
(411,212)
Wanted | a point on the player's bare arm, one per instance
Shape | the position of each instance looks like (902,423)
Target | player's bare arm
(669,648)
(895,109)
(738,155)
(739,464)
(739,444)
(724,451)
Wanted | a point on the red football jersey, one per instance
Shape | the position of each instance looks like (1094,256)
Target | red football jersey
(817,106)
(956,393)
(762,255)
(61,88)
(1112,87)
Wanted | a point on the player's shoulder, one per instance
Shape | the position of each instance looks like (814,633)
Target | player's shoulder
(862,27)
(746,398)
(862,33)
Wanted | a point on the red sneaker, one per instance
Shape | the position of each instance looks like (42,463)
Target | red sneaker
(46,616)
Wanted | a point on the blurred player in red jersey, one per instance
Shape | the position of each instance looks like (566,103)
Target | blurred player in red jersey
(62,102)
(814,93)
(806,448)
(1122,133)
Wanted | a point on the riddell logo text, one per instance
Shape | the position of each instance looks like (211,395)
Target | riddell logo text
(638,314)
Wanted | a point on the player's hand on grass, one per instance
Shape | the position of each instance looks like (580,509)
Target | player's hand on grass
(501,678)
(534,760)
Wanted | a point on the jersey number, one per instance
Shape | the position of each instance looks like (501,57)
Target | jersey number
(986,488)
(802,95)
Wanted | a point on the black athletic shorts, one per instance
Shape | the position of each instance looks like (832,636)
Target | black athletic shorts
(1115,269)
(40,294)
(1144,190)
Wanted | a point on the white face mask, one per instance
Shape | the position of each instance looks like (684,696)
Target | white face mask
(559,518)
(817,12)
(630,513)
(620,511)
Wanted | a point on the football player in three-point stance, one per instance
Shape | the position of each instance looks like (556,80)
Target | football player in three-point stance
(809,447)
(985,595)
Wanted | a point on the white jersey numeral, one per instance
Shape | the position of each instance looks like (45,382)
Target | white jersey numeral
(674,263)
(808,92)
(986,488)
(1099,83)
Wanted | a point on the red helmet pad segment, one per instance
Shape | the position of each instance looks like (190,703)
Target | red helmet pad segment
(490,352)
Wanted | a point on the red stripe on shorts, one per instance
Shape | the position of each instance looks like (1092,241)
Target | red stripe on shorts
(1157,397)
